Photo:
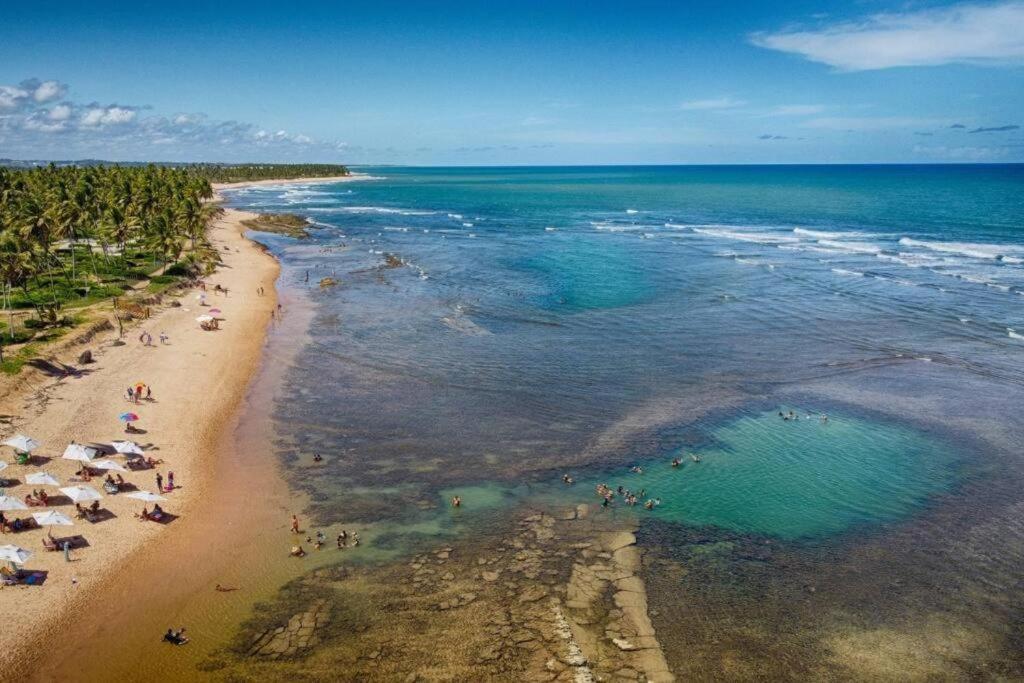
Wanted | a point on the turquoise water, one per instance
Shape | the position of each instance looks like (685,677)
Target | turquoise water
(795,479)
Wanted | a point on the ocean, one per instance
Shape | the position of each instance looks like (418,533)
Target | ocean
(835,354)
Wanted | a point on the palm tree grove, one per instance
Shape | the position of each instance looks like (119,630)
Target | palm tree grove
(75,236)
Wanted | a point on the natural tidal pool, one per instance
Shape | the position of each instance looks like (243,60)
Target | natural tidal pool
(759,473)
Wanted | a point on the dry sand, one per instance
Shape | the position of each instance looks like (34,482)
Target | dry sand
(198,381)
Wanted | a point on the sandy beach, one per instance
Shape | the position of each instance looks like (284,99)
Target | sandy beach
(198,380)
(350,178)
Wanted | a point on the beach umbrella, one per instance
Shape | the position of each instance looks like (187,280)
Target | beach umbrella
(12,553)
(214,311)
(77,451)
(127,417)
(127,448)
(52,518)
(204,318)
(41,479)
(20,442)
(144,495)
(109,465)
(81,494)
(11,503)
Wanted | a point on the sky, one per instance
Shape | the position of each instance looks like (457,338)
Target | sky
(508,83)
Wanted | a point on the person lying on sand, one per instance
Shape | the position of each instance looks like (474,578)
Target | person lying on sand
(175,637)
(224,589)
(297,551)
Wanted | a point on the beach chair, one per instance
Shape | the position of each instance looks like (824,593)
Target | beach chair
(50,544)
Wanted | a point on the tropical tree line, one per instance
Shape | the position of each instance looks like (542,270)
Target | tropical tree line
(65,229)
(233,173)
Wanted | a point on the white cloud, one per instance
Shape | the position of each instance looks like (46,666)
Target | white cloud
(870,123)
(48,91)
(797,109)
(12,97)
(713,103)
(35,123)
(62,112)
(975,34)
(107,116)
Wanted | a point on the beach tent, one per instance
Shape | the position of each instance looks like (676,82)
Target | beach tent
(12,553)
(77,451)
(41,479)
(127,447)
(52,518)
(11,503)
(145,495)
(20,442)
(81,494)
(109,465)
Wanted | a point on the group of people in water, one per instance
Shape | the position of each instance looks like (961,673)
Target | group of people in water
(630,498)
(791,415)
(344,540)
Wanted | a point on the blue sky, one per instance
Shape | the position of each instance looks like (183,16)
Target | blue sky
(514,83)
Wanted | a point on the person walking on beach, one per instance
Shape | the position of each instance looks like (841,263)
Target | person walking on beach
(149,393)
(342,539)
(295,524)
(170,481)
(159,482)
(164,338)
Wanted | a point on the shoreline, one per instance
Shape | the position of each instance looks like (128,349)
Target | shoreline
(199,381)
(350,178)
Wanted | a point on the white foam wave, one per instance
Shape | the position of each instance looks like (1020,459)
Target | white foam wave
(631,211)
(856,247)
(828,234)
(969,249)
(1013,334)
(757,237)
(371,209)
(844,271)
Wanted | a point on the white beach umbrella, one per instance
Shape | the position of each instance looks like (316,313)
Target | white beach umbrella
(77,451)
(52,518)
(41,479)
(81,494)
(109,465)
(204,318)
(12,553)
(127,447)
(145,495)
(11,503)
(22,443)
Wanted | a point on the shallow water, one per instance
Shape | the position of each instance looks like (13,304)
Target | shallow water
(545,321)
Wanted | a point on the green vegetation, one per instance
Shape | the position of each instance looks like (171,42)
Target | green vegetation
(71,236)
(281,223)
(223,173)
